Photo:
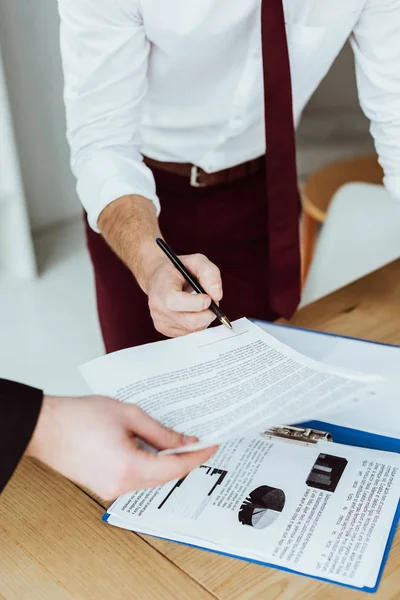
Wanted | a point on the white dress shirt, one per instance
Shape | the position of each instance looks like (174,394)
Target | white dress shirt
(181,81)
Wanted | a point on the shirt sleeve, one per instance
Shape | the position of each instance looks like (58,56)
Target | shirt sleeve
(20,407)
(376,45)
(104,53)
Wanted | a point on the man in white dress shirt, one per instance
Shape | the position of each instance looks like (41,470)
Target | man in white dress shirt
(166,109)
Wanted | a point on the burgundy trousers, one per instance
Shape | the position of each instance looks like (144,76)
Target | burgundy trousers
(227,223)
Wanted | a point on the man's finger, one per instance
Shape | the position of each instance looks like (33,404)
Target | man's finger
(179,324)
(196,321)
(153,432)
(207,273)
(178,301)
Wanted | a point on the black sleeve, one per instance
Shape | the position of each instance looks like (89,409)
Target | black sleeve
(19,411)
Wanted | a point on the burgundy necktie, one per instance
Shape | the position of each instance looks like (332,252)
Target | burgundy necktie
(281,173)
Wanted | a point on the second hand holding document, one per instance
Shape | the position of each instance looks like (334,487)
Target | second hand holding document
(220,384)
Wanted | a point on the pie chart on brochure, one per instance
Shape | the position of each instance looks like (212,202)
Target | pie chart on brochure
(262,507)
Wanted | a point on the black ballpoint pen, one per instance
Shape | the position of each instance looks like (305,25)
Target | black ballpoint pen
(192,281)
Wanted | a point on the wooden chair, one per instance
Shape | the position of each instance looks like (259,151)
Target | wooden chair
(319,190)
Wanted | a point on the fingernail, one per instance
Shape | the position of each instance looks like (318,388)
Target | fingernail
(190,439)
(216,290)
(207,302)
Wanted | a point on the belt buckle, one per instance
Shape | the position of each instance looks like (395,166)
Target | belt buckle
(194,177)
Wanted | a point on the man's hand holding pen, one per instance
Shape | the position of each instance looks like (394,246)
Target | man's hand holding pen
(175,310)
(130,227)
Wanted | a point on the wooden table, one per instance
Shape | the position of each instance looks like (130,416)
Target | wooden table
(53,545)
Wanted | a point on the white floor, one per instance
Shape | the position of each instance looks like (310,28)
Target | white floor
(48,327)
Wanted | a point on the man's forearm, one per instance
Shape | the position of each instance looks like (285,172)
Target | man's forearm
(130,227)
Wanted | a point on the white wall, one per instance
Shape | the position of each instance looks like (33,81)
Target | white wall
(29,42)
(338,91)
(16,248)
(333,126)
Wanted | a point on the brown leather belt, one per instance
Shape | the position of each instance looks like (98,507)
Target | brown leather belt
(197,177)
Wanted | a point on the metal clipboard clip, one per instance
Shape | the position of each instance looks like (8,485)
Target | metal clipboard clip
(299,434)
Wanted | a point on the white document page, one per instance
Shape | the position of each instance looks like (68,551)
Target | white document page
(324,510)
(217,384)
(383,417)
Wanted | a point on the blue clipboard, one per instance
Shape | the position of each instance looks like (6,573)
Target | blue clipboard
(341,435)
